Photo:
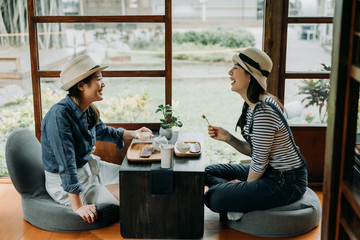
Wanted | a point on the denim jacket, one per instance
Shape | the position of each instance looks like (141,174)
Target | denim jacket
(66,141)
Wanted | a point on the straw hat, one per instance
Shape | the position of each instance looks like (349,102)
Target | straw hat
(78,69)
(256,62)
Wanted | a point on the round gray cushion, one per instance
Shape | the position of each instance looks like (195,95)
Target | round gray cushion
(294,219)
(23,159)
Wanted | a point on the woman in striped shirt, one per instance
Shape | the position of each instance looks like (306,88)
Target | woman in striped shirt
(277,174)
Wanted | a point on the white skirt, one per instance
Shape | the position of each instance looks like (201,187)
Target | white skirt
(93,192)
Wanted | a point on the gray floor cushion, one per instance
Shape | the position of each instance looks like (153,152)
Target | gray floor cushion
(295,219)
(23,159)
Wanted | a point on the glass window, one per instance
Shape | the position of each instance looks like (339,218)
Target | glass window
(204,41)
(195,13)
(132,100)
(122,46)
(356,166)
(210,95)
(309,47)
(101,8)
(126,100)
(356,50)
(311,8)
(16,102)
(306,100)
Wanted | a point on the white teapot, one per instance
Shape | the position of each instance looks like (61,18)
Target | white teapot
(159,140)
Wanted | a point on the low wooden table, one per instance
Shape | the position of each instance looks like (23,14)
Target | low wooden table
(176,215)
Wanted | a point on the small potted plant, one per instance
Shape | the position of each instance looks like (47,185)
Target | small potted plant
(316,93)
(168,121)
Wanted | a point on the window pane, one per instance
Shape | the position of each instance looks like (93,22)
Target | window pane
(311,8)
(205,11)
(356,50)
(131,100)
(356,166)
(50,93)
(16,100)
(309,46)
(206,34)
(130,46)
(97,8)
(208,92)
(306,100)
(126,100)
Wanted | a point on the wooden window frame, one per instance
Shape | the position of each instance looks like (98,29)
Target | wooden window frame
(37,74)
(308,138)
(275,31)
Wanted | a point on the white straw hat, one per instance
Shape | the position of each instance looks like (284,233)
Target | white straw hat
(256,62)
(78,69)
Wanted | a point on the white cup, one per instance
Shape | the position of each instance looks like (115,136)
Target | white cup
(166,151)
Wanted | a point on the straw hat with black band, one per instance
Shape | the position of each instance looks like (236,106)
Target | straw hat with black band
(256,62)
(78,69)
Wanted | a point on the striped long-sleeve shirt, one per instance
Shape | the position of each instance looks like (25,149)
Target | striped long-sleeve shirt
(270,139)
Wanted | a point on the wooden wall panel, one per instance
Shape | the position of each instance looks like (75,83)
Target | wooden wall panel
(107,150)
(311,141)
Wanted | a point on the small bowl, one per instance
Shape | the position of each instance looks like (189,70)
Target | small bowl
(182,147)
(143,136)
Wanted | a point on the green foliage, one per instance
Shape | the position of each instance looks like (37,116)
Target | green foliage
(168,120)
(325,67)
(212,45)
(20,114)
(12,116)
(317,94)
(16,115)
(309,117)
(224,155)
(198,52)
(225,37)
(125,109)
(3,169)
(137,39)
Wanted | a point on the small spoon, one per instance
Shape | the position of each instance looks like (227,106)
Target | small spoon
(204,117)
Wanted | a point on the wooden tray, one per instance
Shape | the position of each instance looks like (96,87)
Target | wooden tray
(134,151)
(188,153)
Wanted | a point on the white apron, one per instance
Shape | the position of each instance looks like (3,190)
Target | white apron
(93,192)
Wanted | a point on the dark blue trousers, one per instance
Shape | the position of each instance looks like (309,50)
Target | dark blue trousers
(275,188)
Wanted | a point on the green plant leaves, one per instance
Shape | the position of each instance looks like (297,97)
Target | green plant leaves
(317,94)
(167,121)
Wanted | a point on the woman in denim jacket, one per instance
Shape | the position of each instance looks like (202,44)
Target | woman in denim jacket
(277,173)
(73,175)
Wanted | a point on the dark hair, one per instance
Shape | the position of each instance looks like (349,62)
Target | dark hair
(253,94)
(75,93)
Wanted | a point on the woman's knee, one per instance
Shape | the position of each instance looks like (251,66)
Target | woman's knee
(214,170)
(209,200)
(215,200)
(209,169)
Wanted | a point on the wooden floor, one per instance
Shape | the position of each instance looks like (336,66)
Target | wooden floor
(13,227)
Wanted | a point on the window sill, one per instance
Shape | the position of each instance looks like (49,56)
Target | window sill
(5,180)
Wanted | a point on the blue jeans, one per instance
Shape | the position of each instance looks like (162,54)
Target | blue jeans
(275,188)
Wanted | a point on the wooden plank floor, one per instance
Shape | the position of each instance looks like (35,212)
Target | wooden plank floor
(14,227)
